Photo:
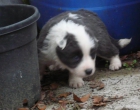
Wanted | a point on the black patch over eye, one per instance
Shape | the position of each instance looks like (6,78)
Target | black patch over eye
(71,55)
(92,53)
(68,57)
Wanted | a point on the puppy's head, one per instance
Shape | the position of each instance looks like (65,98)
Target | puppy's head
(77,50)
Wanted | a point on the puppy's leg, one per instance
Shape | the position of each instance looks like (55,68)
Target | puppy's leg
(115,63)
(110,52)
(75,81)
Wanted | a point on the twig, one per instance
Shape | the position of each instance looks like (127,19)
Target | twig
(117,82)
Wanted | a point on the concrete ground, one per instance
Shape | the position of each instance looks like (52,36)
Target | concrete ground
(124,83)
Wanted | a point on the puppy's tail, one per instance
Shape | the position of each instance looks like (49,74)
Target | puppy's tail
(121,43)
(124,42)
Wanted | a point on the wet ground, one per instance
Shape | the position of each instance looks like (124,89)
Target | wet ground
(122,83)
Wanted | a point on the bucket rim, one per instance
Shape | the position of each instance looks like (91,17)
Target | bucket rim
(26,22)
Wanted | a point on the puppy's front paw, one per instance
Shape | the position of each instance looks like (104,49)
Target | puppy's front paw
(115,66)
(76,82)
(115,63)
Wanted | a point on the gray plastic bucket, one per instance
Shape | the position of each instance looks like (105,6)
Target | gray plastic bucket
(19,70)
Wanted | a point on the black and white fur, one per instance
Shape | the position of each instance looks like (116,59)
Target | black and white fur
(72,40)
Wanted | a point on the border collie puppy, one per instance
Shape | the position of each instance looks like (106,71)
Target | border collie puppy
(72,40)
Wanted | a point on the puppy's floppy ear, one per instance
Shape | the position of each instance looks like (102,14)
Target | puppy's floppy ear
(61,43)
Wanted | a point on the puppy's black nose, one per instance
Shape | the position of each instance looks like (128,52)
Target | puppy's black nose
(88,71)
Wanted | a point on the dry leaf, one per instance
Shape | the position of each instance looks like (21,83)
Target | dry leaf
(25,102)
(81,106)
(23,109)
(107,100)
(43,94)
(41,106)
(101,101)
(93,82)
(65,101)
(76,98)
(62,106)
(97,99)
(82,99)
(34,107)
(101,86)
(93,86)
(85,98)
(51,96)
(54,86)
(100,104)
(64,95)
(97,84)
(39,102)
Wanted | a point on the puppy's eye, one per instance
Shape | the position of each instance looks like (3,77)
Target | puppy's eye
(76,58)
(93,55)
